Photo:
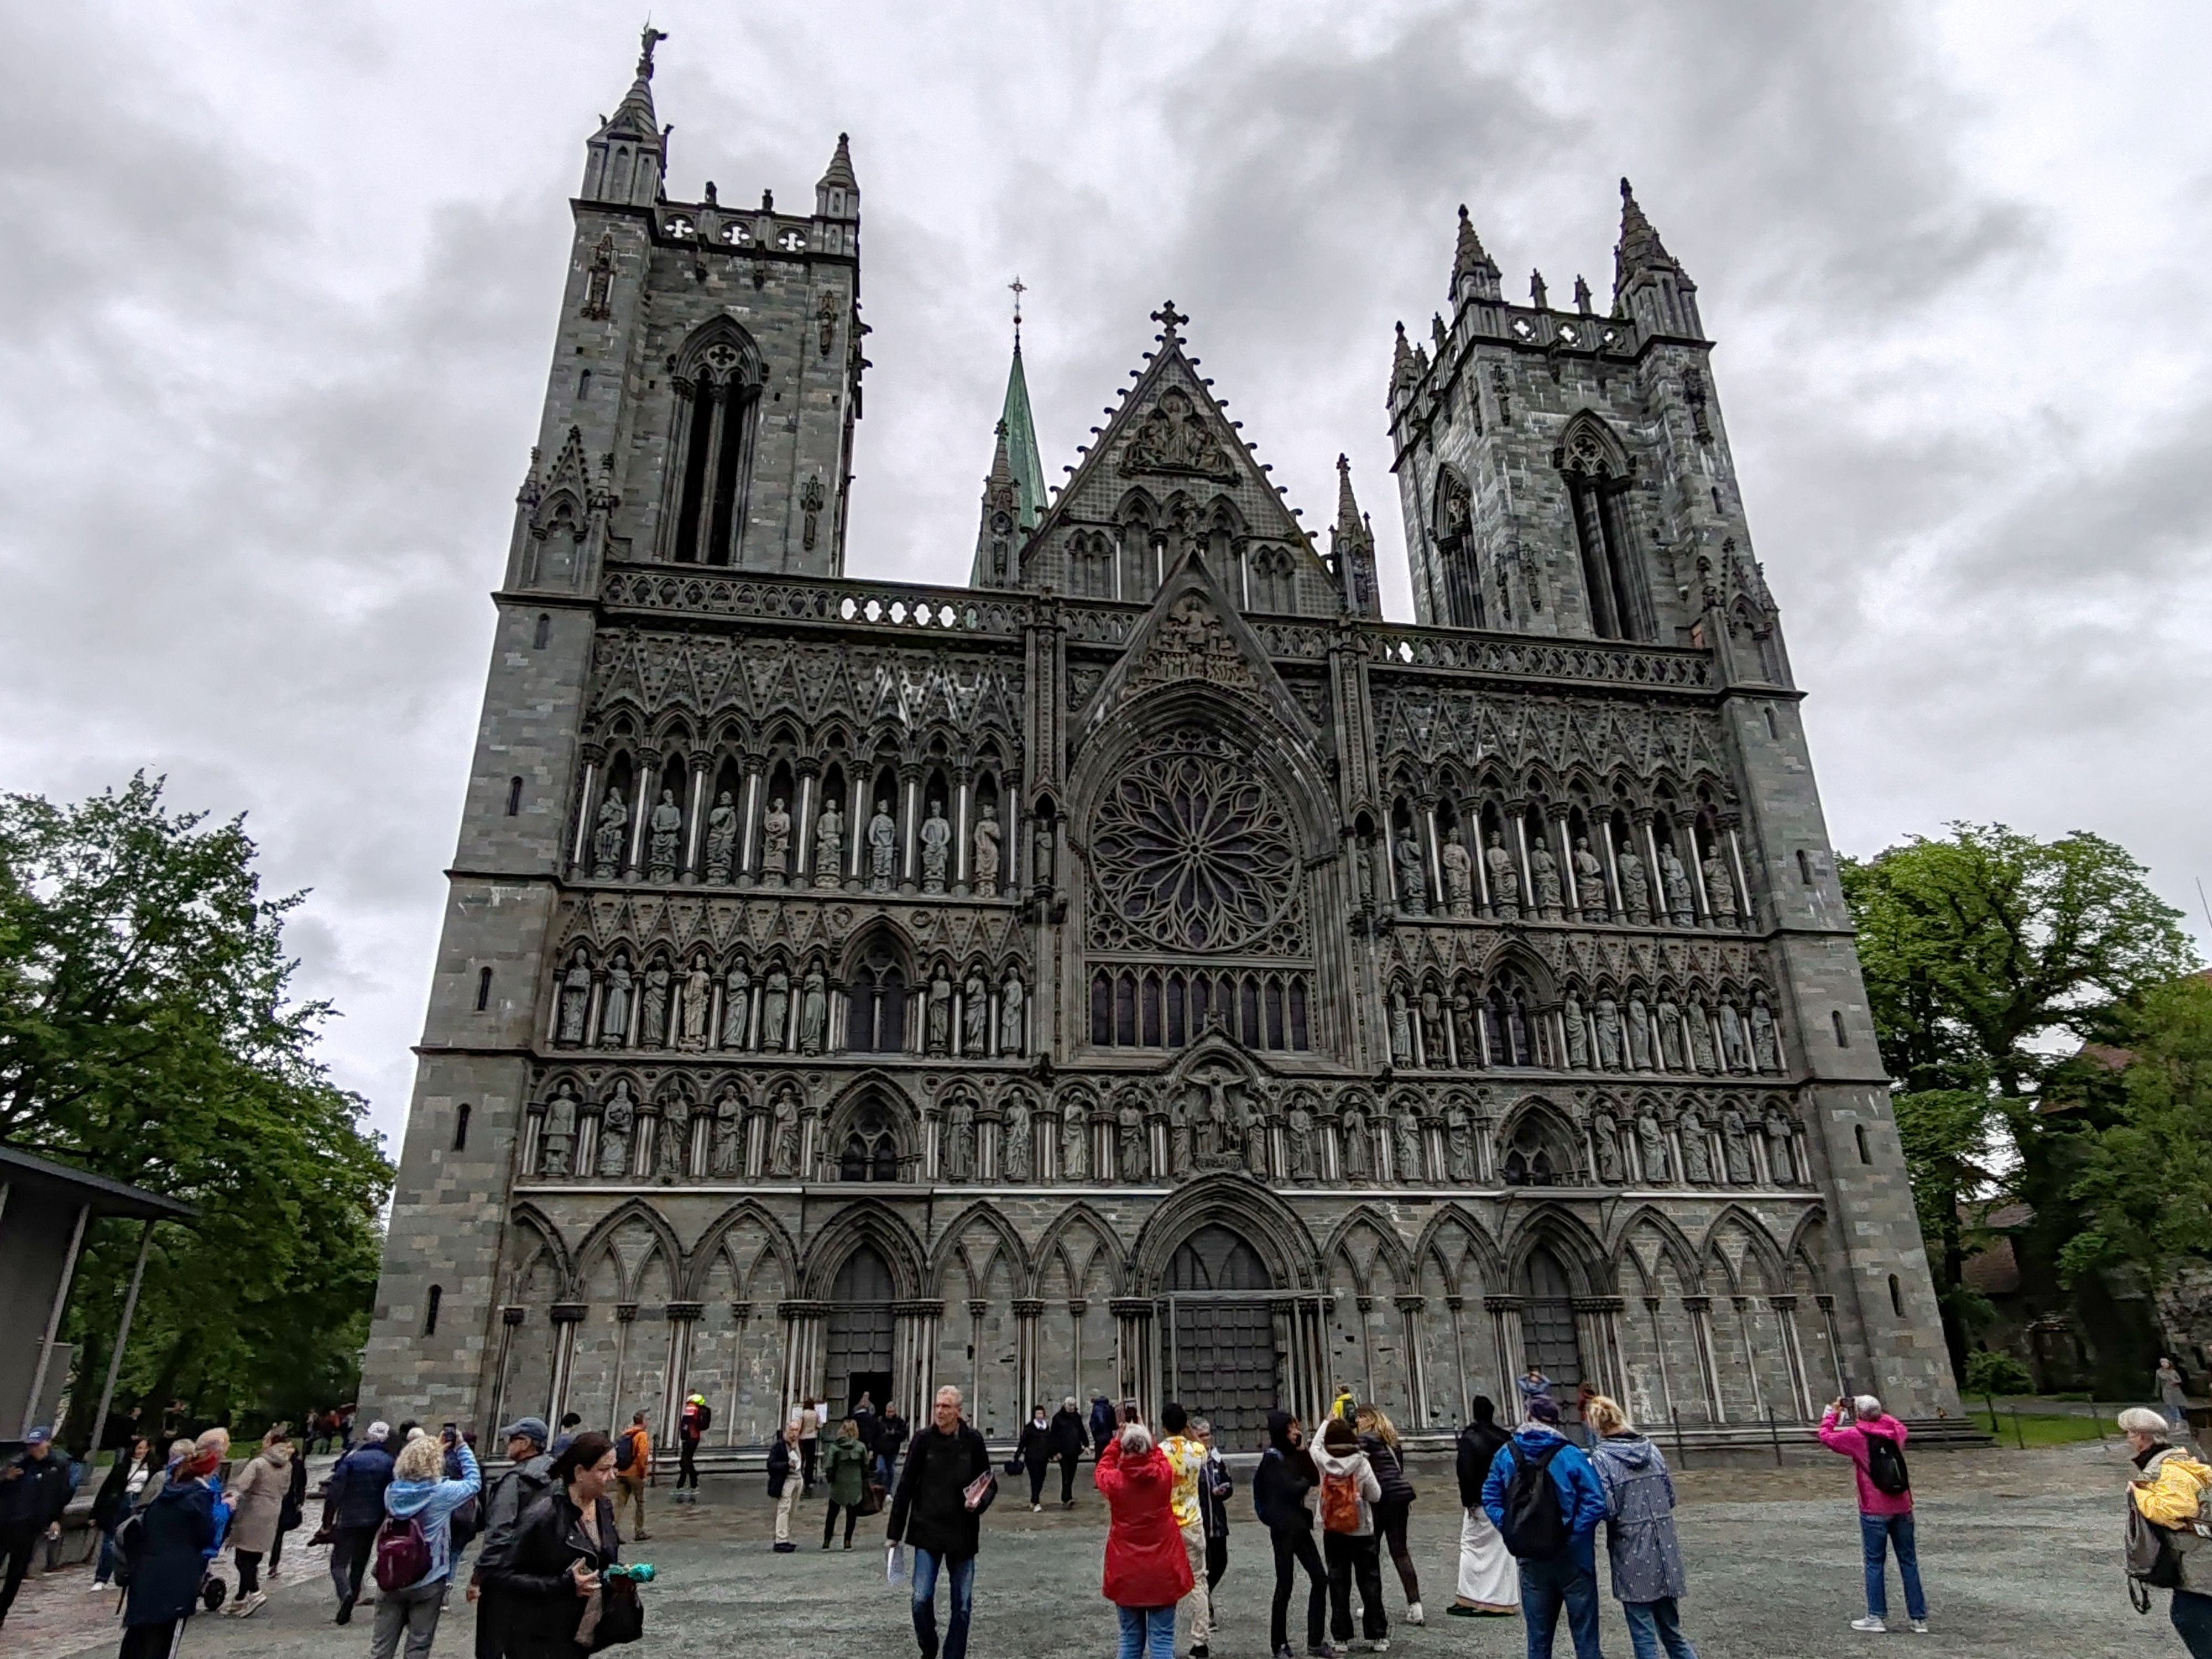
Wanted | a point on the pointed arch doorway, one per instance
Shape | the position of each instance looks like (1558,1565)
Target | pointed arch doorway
(1548,1339)
(1222,1362)
(859,1346)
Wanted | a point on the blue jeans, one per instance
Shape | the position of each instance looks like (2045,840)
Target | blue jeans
(1877,1532)
(1650,1624)
(1544,1586)
(1147,1632)
(2192,1621)
(106,1570)
(962,1576)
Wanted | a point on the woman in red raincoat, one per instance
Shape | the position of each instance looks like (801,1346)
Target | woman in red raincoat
(1147,1569)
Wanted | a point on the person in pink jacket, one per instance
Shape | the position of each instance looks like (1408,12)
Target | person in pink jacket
(1874,1442)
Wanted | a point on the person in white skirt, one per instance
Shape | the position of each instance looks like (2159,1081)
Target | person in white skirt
(1489,1586)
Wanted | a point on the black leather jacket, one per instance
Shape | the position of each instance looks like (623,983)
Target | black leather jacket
(549,1540)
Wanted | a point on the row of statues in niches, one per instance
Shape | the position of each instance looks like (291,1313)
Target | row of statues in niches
(1510,883)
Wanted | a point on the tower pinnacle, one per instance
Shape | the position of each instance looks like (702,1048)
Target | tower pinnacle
(626,159)
(1648,283)
(1475,273)
(1351,547)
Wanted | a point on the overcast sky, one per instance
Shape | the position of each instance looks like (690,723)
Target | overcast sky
(277,287)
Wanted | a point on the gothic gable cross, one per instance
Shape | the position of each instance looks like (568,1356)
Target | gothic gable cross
(1169,320)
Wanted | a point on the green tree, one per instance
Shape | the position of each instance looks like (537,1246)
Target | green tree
(147,1033)
(1988,955)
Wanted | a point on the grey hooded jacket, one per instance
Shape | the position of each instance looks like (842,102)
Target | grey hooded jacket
(1639,1507)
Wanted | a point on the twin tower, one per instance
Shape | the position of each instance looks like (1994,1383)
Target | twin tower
(1144,968)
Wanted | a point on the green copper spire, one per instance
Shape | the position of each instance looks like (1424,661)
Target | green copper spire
(1022,445)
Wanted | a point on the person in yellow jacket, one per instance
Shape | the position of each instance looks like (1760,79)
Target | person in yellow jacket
(1186,1456)
(1344,1405)
(2171,1489)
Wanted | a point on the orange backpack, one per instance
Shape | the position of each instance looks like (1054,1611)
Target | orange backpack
(1340,1502)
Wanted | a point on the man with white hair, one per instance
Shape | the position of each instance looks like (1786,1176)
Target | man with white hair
(1874,1442)
(2170,1491)
(355,1495)
(939,1507)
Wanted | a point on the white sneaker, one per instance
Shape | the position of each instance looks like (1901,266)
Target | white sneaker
(1413,1614)
(1870,1625)
(247,1608)
(1381,1644)
(1920,1627)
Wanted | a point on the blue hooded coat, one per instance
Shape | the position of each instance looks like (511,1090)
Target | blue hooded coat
(183,1524)
(432,1502)
(1582,1499)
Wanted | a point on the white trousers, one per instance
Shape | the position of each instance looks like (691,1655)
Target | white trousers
(1486,1574)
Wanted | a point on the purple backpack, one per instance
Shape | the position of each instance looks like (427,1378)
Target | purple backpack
(403,1554)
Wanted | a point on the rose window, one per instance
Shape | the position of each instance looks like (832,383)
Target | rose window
(1193,850)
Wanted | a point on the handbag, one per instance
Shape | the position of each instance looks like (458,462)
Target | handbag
(1014,1464)
(871,1500)
(621,1614)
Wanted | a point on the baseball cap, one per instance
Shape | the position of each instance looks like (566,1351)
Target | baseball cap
(530,1428)
(1544,1408)
(39,1436)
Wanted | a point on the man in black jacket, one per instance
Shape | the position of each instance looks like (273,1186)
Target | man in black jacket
(891,1436)
(34,1490)
(1067,1438)
(1487,1581)
(933,1512)
(511,1496)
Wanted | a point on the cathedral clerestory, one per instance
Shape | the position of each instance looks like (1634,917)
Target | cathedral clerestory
(1143,968)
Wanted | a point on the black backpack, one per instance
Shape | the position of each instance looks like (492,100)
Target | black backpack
(626,1449)
(130,1547)
(1534,1528)
(1885,1465)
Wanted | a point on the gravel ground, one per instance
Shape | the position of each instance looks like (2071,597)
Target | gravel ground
(2019,1553)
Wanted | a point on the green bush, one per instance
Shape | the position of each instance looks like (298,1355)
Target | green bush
(1989,1372)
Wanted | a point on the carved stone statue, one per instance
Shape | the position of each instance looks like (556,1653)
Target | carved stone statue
(1459,874)
(1359,1155)
(775,842)
(1362,873)
(1297,1137)
(653,1005)
(1010,1015)
(1676,879)
(1589,883)
(665,838)
(558,1148)
(960,1141)
(987,853)
(671,1154)
(1412,879)
(1041,845)
(614,1009)
(1697,1154)
(1465,1032)
(1129,1141)
(1720,886)
(1781,1150)
(1433,1042)
(1732,1045)
(1075,1144)
(1635,889)
(1604,1134)
(775,1010)
(783,1134)
(1544,876)
(1735,1146)
(941,1011)
(698,1003)
(737,1005)
(1253,1126)
(1639,1036)
(1504,878)
(1402,1030)
(616,1119)
(1579,1054)
(936,847)
(1014,1140)
(576,997)
(1701,1037)
(1765,1043)
(829,846)
(1608,1034)
(727,1157)
(975,1014)
(883,849)
(721,838)
(1670,1035)
(813,1011)
(607,837)
(1406,1152)
(1651,1149)
(1458,1143)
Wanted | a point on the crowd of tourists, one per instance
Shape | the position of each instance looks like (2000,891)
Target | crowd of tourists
(403,1506)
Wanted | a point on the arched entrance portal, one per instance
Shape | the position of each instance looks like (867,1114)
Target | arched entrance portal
(1221,1358)
(1547,1325)
(859,1345)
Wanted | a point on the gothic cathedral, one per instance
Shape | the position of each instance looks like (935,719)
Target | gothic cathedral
(1144,969)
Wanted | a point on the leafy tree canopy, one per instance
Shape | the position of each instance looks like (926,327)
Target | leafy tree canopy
(146,1033)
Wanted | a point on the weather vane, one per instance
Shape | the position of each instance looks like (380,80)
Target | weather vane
(1019,289)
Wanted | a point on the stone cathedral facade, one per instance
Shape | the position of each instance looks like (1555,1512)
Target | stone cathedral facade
(1143,968)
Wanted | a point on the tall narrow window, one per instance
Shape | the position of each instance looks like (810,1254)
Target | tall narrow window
(438,1294)
(1299,1038)
(583,383)
(544,632)
(483,990)
(513,797)
(1125,1011)
(1152,1011)
(1773,730)
(1102,1009)
(1866,1152)
(461,1127)
(1804,868)
(711,447)
(1175,1010)
(1836,1018)
(1896,1296)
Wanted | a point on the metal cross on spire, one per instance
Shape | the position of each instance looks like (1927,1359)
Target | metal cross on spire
(1169,320)
(1019,289)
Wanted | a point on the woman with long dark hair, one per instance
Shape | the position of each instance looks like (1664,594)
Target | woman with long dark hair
(562,1545)
(1282,1495)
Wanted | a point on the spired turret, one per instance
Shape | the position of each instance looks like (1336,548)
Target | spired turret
(627,158)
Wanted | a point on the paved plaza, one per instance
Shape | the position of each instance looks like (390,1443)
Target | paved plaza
(2019,1552)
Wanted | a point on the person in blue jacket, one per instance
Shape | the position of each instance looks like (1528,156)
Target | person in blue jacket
(181,1528)
(355,1493)
(421,1492)
(1568,1576)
